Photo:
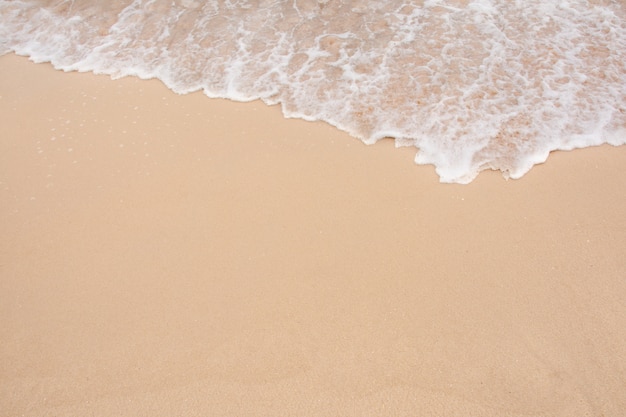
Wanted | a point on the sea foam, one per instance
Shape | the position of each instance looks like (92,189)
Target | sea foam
(473,85)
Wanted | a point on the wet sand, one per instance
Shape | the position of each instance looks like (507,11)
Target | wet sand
(176,255)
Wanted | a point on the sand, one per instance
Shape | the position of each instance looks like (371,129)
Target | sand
(166,255)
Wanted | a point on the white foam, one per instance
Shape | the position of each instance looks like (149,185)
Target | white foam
(486,84)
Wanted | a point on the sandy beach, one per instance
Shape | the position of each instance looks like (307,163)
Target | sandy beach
(167,255)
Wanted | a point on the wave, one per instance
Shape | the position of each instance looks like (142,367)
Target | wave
(473,85)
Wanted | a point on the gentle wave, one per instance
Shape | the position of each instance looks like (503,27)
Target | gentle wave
(484,84)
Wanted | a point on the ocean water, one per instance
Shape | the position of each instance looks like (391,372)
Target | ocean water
(472,85)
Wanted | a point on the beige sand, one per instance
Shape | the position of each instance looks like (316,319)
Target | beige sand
(167,255)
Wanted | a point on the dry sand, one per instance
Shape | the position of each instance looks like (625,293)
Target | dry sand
(167,255)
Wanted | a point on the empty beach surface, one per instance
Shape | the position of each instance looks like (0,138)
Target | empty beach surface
(167,254)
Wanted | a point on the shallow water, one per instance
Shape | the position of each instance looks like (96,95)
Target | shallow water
(473,85)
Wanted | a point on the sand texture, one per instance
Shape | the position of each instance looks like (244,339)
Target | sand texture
(166,255)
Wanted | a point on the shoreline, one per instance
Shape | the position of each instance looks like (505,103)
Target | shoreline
(169,254)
